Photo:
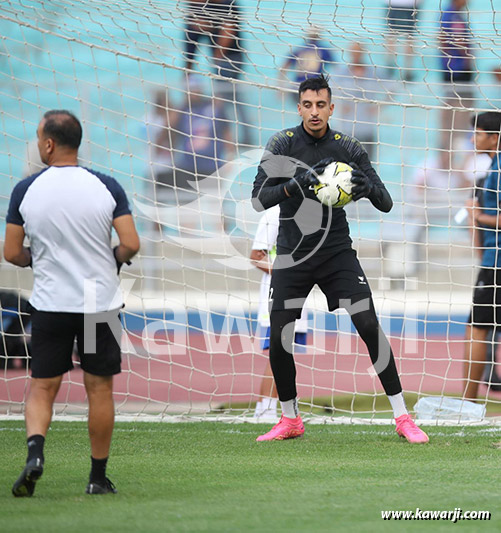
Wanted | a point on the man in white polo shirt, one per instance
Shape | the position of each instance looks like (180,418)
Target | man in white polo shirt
(68,212)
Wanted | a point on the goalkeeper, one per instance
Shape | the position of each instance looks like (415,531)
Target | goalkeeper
(68,212)
(314,247)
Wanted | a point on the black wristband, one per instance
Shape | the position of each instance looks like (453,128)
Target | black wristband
(119,263)
(30,264)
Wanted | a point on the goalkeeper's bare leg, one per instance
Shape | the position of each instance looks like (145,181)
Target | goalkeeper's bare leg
(101,422)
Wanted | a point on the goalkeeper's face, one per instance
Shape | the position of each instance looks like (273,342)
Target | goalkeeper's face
(315,108)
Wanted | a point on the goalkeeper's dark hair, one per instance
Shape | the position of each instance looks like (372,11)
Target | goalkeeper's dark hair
(489,122)
(315,84)
(63,127)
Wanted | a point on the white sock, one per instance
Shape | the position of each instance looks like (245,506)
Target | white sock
(269,404)
(290,408)
(259,408)
(398,405)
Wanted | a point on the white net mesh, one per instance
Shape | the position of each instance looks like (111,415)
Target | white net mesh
(175,94)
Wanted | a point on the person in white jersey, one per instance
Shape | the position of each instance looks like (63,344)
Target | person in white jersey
(68,212)
(263,253)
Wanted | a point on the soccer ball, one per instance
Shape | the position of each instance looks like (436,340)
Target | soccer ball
(335,185)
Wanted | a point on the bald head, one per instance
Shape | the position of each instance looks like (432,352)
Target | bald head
(59,136)
(63,127)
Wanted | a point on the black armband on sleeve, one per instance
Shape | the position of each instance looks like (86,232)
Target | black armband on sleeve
(30,264)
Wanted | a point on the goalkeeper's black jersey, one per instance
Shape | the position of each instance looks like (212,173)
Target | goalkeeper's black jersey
(306,225)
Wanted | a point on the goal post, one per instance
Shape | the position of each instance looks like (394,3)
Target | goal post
(181,121)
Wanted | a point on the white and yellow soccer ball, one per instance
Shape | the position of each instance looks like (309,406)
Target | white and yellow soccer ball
(335,185)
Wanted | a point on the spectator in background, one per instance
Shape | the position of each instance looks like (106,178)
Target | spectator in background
(159,137)
(486,308)
(308,60)
(457,66)
(203,144)
(188,143)
(401,20)
(358,115)
(219,23)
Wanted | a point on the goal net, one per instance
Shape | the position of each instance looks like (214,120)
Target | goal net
(177,101)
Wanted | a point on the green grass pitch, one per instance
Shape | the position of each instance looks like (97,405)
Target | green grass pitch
(215,477)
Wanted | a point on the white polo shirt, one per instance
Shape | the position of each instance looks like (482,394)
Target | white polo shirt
(67,214)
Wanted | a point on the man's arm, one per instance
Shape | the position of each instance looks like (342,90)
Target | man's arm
(486,221)
(379,197)
(488,217)
(13,250)
(261,260)
(128,237)
(372,187)
(476,232)
(269,185)
(227,35)
(266,191)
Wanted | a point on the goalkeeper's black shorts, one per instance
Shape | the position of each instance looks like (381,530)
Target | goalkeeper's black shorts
(53,338)
(340,277)
(486,308)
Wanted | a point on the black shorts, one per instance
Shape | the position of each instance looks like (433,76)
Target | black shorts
(52,340)
(339,277)
(486,308)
